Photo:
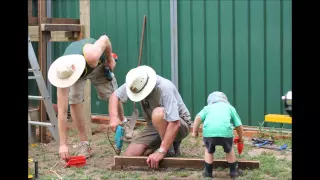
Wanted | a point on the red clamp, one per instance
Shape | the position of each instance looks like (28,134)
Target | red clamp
(240,145)
(77,161)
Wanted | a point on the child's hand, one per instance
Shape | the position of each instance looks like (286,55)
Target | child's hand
(195,134)
(241,140)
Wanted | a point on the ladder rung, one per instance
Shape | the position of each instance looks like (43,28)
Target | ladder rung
(35,97)
(30,70)
(37,123)
(33,77)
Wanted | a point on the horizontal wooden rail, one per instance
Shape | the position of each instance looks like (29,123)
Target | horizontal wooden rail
(61,27)
(33,21)
(55,36)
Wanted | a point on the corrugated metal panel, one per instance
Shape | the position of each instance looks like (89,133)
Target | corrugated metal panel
(121,21)
(242,48)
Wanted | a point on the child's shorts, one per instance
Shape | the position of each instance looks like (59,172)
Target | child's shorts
(212,142)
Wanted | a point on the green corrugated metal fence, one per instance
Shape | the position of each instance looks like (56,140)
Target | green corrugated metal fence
(240,47)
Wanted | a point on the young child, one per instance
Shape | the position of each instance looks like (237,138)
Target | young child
(217,117)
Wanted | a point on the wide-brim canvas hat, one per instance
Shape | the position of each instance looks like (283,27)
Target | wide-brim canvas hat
(66,70)
(140,82)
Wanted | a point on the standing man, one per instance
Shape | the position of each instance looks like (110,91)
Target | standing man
(84,59)
(168,119)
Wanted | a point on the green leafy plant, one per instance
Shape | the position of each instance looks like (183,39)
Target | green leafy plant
(262,131)
(271,132)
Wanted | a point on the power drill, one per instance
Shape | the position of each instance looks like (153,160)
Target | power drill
(119,139)
(107,71)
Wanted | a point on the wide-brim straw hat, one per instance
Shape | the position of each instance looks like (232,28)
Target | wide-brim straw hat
(66,70)
(140,82)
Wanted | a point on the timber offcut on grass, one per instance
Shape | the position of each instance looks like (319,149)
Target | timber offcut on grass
(192,163)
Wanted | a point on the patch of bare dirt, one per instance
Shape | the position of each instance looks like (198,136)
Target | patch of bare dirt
(279,154)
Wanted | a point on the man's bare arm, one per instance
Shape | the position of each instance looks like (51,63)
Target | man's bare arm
(62,96)
(105,46)
(93,52)
(170,134)
(114,111)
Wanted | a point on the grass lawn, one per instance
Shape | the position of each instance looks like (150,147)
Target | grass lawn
(273,164)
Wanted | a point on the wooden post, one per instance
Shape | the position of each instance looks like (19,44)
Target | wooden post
(85,21)
(42,53)
(29,10)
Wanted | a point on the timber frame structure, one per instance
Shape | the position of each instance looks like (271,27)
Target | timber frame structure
(43,30)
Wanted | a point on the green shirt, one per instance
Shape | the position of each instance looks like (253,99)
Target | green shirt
(218,118)
(76,47)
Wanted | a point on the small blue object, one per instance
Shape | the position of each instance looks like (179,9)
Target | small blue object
(262,144)
(283,147)
(118,137)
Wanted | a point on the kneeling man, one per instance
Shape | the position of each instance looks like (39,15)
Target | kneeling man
(168,119)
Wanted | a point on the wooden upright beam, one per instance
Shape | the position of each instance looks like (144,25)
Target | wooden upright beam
(193,163)
(85,21)
(29,10)
(42,56)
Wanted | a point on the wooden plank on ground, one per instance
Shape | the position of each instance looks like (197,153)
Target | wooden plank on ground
(85,33)
(192,163)
(61,27)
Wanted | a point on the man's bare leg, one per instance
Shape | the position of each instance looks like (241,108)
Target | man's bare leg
(78,118)
(62,102)
(136,150)
(160,124)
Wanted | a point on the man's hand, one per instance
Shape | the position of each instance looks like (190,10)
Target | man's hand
(114,123)
(64,152)
(111,63)
(154,159)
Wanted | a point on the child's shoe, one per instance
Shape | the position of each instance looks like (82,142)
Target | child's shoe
(234,170)
(207,170)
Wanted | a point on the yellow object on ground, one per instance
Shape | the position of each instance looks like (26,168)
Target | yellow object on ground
(34,145)
(278,118)
(30,176)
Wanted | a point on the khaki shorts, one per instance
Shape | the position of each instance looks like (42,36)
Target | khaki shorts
(150,137)
(103,87)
